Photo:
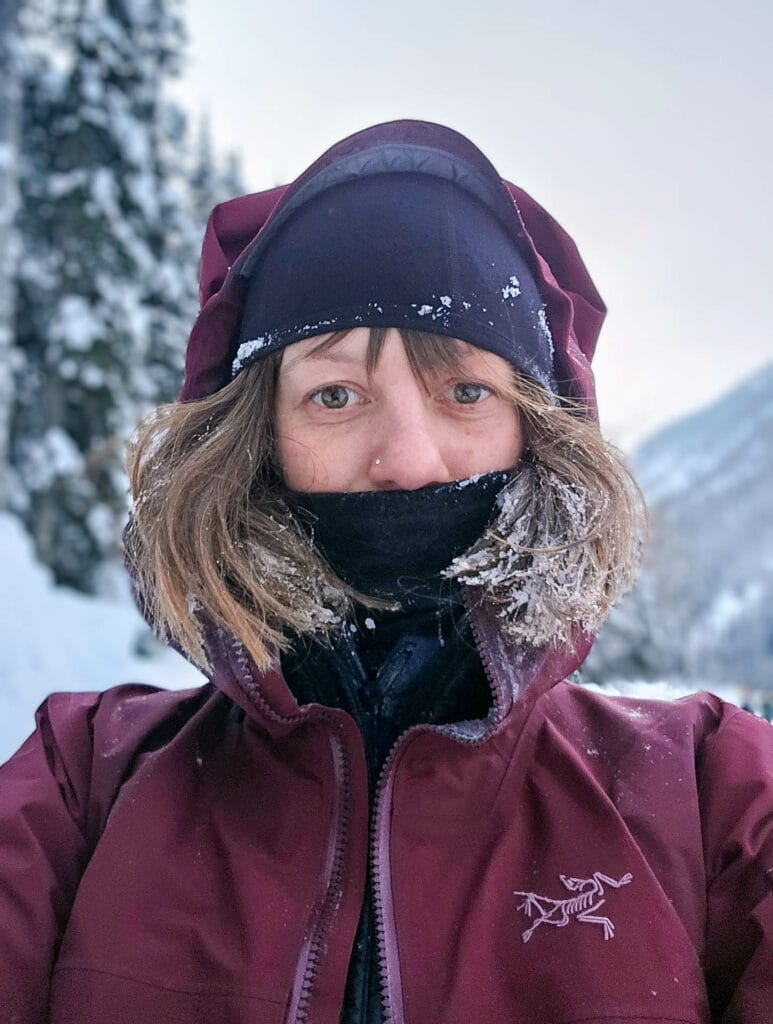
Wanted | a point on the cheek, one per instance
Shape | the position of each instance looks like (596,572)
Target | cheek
(297,449)
(512,441)
(318,460)
(297,462)
(492,445)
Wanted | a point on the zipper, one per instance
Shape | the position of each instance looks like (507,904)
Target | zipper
(386,931)
(315,942)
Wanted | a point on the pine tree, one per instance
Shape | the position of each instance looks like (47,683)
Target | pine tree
(92,298)
(194,182)
(211,181)
(9,249)
(172,296)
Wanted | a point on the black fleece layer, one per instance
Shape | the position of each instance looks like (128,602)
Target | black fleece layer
(393,544)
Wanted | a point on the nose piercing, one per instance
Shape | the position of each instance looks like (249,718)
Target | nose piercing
(378,462)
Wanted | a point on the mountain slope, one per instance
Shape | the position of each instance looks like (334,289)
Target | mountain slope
(704,604)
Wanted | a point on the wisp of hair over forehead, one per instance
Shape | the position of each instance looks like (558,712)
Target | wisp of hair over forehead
(427,353)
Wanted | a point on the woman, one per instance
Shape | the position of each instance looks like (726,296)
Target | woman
(383,521)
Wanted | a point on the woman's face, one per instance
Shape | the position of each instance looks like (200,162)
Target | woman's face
(340,431)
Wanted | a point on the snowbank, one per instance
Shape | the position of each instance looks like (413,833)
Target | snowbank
(644,689)
(56,639)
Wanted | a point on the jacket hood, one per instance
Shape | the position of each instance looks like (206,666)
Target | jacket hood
(235,236)
(239,230)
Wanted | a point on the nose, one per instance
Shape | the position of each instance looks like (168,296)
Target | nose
(407,450)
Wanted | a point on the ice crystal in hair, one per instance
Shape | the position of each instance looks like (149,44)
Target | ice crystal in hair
(537,562)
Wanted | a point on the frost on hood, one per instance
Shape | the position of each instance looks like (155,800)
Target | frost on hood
(536,563)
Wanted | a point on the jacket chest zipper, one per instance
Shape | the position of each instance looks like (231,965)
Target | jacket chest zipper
(386,936)
(316,940)
(386,931)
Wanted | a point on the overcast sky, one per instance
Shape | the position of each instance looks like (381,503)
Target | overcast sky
(646,129)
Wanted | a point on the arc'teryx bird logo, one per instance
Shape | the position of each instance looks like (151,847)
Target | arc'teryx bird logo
(590,898)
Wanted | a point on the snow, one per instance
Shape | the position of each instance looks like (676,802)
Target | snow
(77,324)
(731,605)
(53,455)
(91,376)
(701,449)
(461,484)
(544,328)
(512,289)
(246,350)
(539,594)
(642,689)
(55,639)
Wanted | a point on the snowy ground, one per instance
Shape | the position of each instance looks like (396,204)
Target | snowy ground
(647,690)
(56,639)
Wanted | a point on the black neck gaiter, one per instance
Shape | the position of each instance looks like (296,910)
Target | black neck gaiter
(394,544)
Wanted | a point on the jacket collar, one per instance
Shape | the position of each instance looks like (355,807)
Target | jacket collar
(517,674)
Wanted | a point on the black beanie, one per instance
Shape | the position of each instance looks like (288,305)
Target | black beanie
(404,250)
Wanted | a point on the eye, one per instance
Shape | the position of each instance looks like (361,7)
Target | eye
(334,396)
(468,393)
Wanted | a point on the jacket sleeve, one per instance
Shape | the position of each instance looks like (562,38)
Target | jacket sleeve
(43,805)
(736,779)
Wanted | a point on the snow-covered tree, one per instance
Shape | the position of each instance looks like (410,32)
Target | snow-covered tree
(194,180)
(211,180)
(9,130)
(93,295)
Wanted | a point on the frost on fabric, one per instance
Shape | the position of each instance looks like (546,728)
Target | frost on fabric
(544,328)
(461,484)
(536,562)
(248,349)
(512,289)
(438,309)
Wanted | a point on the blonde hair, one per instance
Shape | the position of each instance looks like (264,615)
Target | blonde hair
(210,535)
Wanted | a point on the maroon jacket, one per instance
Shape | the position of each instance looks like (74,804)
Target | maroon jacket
(201,857)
